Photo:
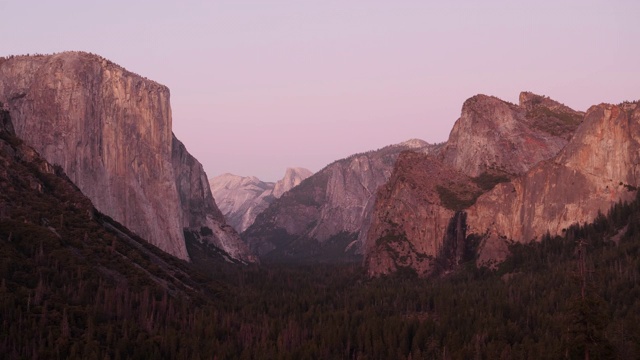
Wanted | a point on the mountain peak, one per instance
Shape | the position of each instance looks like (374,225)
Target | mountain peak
(482,102)
(528,98)
(494,134)
(297,170)
(292,177)
(414,143)
(529,101)
(242,198)
(78,109)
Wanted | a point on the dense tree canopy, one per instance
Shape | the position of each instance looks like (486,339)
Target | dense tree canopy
(75,285)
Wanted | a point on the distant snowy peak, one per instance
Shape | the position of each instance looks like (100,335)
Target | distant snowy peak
(242,198)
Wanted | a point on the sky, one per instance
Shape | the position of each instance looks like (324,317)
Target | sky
(259,86)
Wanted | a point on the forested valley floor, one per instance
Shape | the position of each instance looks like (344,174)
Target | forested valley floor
(75,285)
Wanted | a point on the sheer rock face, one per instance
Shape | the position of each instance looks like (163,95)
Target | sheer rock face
(109,129)
(494,134)
(241,199)
(328,210)
(491,142)
(200,215)
(408,230)
(599,167)
(292,177)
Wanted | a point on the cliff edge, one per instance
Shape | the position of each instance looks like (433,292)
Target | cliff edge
(110,130)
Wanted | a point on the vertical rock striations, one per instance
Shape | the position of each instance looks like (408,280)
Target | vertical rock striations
(321,219)
(109,129)
(497,136)
(599,167)
(492,142)
(409,221)
(201,218)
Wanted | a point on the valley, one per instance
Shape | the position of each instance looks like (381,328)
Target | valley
(519,235)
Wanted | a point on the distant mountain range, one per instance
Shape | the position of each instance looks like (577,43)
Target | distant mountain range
(112,245)
(325,217)
(507,173)
(241,199)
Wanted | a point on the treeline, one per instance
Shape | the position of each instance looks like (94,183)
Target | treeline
(75,284)
(73,288)
(81,53)
(530,307)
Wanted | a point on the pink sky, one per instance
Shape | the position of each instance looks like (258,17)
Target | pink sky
(258,86)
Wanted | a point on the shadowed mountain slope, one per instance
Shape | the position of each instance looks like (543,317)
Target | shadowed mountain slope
(110,130)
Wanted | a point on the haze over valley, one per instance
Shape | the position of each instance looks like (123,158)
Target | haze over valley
(386,180)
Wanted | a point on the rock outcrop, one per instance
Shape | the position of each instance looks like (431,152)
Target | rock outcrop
(110,130)
(40,206)
(419,214)
(292,177)
(322,218)
(242,198)
(492,134)
(408,230)
(201,218)
(599,167)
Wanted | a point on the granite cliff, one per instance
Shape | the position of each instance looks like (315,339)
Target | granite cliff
(494,135)
(292,178)
(110,130)
(202,220)
(40,208)
(419,221)
(242,198)
(322,218)
(597,168)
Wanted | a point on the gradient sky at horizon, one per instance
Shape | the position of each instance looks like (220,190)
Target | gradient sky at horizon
(258,86)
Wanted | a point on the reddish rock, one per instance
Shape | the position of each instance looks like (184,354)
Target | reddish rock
(418,221)
(329,210)
(595,170)
(110,130)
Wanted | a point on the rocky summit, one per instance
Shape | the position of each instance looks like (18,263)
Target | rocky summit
(110,130)
(493,135)
(325,216)
(596,169)
(422,217)
(507,173)
(242,198)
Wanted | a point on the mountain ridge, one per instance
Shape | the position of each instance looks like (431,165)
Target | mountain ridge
(503,177)
(594,171)
(242,198)
(322,218)
(78,110)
